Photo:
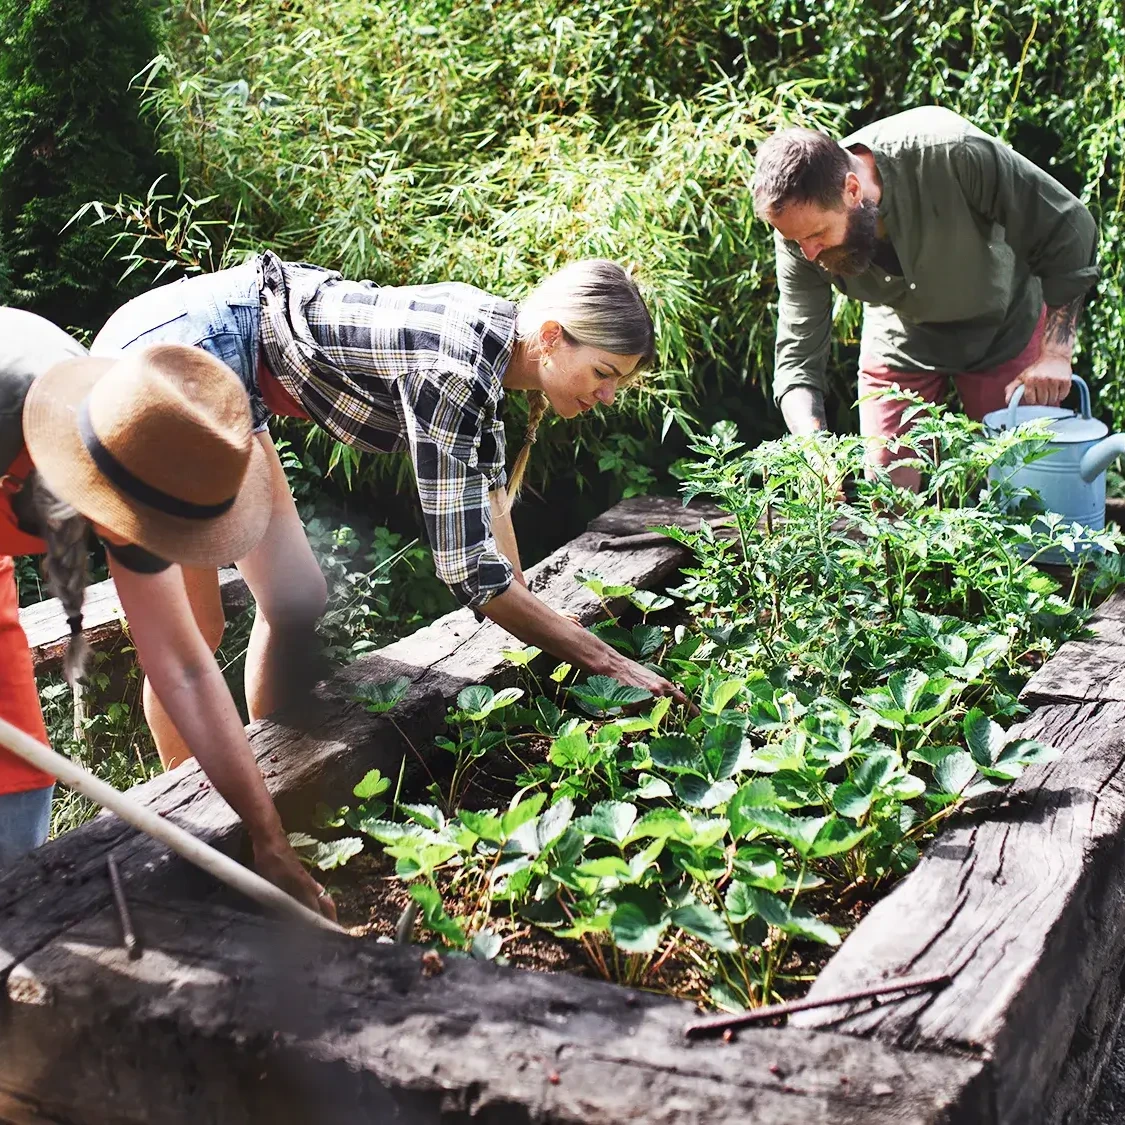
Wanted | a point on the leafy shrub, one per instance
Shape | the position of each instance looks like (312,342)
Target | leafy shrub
(72,130)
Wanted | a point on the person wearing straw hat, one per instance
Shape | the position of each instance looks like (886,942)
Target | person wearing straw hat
(422,369)
(154,451)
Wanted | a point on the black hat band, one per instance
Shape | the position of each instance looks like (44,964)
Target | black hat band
(136,488)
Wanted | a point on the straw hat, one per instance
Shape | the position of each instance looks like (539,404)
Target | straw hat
(156,445)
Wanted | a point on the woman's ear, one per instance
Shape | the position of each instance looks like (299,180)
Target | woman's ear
(550,336)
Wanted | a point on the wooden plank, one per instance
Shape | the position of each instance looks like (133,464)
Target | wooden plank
(102,619)
(1086,670)
(1024,903)
(232,1019)
(316,753)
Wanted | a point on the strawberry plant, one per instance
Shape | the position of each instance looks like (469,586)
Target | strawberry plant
(856,663)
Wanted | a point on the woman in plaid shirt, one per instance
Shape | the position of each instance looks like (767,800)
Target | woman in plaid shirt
(419,368)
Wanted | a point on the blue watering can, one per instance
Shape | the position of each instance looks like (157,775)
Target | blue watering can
(1070,480)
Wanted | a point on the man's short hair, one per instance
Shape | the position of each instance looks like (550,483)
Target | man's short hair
(798,166)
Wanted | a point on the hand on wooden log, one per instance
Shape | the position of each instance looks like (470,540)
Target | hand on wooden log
(278,863)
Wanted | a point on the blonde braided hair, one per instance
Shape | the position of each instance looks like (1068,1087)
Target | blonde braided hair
(537,404)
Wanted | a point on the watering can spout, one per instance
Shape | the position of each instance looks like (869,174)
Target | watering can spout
(1095,461)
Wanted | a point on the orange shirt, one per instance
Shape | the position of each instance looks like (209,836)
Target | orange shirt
(19,697)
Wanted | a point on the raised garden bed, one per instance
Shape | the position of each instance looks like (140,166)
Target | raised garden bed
(228,1017)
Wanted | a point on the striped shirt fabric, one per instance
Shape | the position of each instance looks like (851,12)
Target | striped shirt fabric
(416,368)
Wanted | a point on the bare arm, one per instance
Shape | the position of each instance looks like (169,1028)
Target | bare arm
(534,622)
(504,533)
(183,672)
(1047,381)
(803,410)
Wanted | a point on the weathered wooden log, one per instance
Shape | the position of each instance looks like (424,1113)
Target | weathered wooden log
(233,1020)
(102,618)
(1023,902)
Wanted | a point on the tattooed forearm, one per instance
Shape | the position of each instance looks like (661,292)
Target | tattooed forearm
(1060,325)
(803,409)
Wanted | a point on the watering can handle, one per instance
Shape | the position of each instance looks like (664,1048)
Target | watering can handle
(1083,397)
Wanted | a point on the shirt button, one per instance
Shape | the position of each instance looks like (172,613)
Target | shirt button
(887,278)
(913,286)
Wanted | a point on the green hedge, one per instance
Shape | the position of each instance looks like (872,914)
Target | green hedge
(488,141)
(70,130)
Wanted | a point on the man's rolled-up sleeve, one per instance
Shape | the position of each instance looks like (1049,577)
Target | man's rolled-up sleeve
(451,447)
(804,322)
(1045,224)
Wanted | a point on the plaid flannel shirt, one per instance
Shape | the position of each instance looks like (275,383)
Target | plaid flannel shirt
(418,368)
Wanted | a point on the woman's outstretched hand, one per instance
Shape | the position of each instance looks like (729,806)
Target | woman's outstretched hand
(637,675)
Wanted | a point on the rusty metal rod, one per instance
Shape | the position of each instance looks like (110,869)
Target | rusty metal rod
(771,1011)
(128,933)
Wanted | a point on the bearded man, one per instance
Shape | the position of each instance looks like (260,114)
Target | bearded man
(972,264)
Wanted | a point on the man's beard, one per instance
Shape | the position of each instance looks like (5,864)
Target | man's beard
(861,238)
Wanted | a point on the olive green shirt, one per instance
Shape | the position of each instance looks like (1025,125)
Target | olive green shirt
(985,239)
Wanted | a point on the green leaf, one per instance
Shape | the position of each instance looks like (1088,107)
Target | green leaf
(739,902)
(521,657)
(520,813)
(472,700)
(486,945)
(701,793)
(755,794)
(381,697)
(677,752)
(760,866)
(906,688)
(875,770)
(648,602)
(429,816)
(931,755)
(748,901)
(702,922)
(717,694)
(651,788)
(646,640)
(800,831)
(605,695)
(954,772)
(420,857)
(722,749)
(436,919)
(639,920)
(554,822)
(605,867)
(372,785)
(835,837)
(549,715)
(485,824)
(561,671)
(502,699)
(851,801)
(984,738)
(571,751)
(659,709)
(598,586)
(662,824)
(608,820)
